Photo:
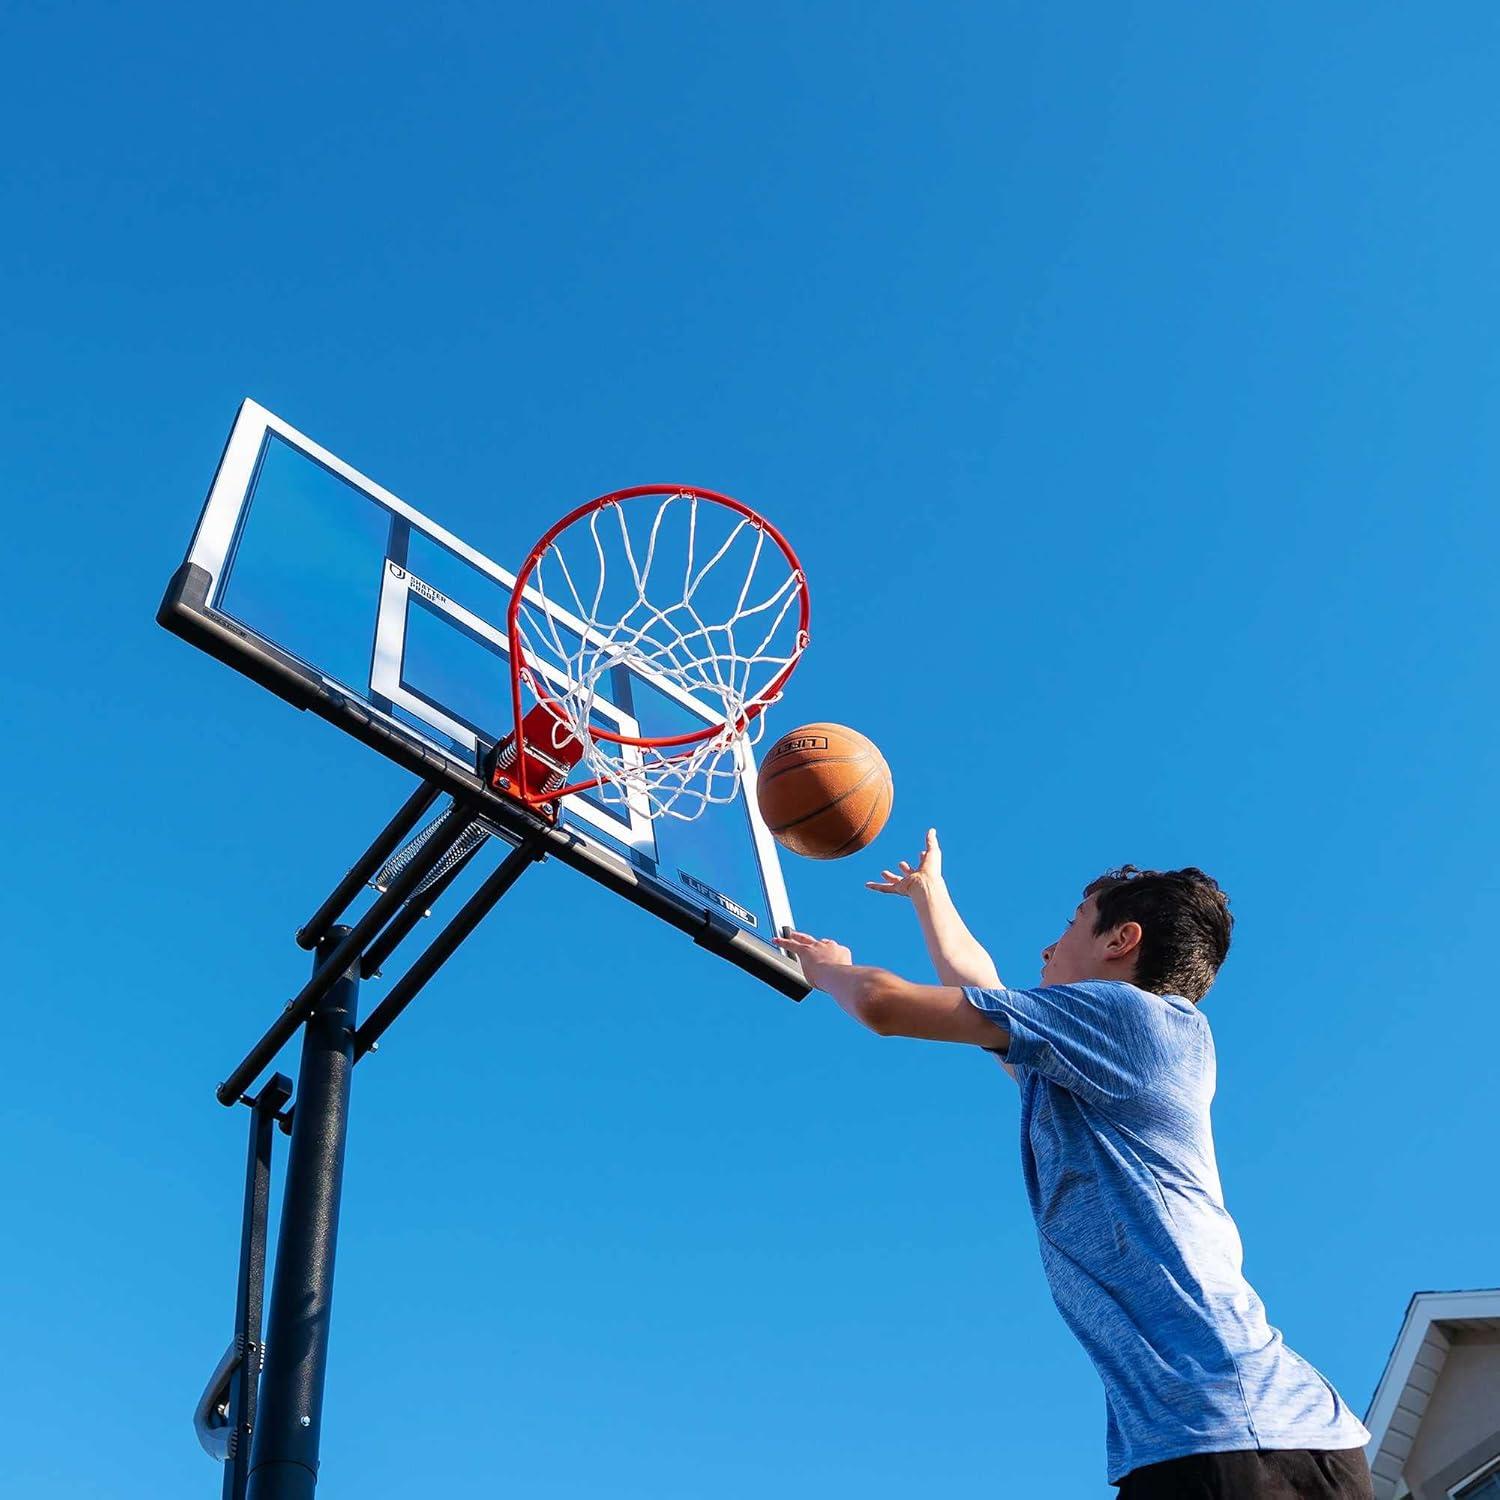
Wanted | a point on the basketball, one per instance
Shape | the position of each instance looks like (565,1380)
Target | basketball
(824,791)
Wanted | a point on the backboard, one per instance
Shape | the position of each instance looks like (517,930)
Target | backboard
(326,588)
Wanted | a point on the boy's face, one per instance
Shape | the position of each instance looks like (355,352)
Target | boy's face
(1081,953)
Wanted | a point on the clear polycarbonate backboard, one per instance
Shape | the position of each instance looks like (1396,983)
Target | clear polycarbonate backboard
(330,590)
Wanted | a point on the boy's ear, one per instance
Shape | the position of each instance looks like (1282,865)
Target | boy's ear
(1124,940)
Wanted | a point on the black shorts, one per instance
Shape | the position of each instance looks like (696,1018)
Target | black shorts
(1292,1474)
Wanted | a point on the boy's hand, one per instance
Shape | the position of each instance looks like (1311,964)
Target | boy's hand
(928,873)
(820,956)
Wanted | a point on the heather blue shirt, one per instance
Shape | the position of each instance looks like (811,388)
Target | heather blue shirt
(1142,1258)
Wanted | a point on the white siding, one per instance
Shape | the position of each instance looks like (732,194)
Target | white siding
(1462,1411)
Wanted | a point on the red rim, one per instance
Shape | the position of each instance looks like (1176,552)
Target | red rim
(520,665)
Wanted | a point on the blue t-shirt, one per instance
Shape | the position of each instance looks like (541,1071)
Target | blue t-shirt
(1141,1255)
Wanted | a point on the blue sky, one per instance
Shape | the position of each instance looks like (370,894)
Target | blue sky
(1127,376)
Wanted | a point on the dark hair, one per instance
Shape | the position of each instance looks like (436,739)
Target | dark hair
(1185,925)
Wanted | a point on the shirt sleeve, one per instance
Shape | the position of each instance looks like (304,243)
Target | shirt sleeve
(1102,1041)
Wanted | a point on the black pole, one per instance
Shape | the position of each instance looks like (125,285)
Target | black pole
(387,841)
(445,944)
(284,1453)
(351,943)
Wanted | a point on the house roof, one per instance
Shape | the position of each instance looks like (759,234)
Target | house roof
(1411,1375)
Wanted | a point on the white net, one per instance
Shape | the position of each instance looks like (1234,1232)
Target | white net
(684,597)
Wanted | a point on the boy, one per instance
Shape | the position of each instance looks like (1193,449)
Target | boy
(1116,1070)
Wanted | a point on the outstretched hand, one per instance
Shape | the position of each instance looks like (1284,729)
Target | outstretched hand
(820,956)
(928,871)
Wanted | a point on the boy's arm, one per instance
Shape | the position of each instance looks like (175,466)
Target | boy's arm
(957,955)
(889,1005)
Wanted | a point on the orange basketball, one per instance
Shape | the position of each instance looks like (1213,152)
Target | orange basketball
(825,791)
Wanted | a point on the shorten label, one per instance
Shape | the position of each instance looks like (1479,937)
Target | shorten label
(735,910)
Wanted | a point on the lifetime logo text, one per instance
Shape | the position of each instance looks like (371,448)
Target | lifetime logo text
(802,742)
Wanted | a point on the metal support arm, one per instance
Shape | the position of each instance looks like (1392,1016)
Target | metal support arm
(351,945)
(445,944)
(387,841)
(398,929)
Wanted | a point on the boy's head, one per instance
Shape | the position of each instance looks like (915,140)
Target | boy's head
(1164,930)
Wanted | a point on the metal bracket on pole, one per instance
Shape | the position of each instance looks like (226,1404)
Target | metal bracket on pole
(225,1415)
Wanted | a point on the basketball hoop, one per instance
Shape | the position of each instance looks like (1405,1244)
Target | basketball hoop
(685,591)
